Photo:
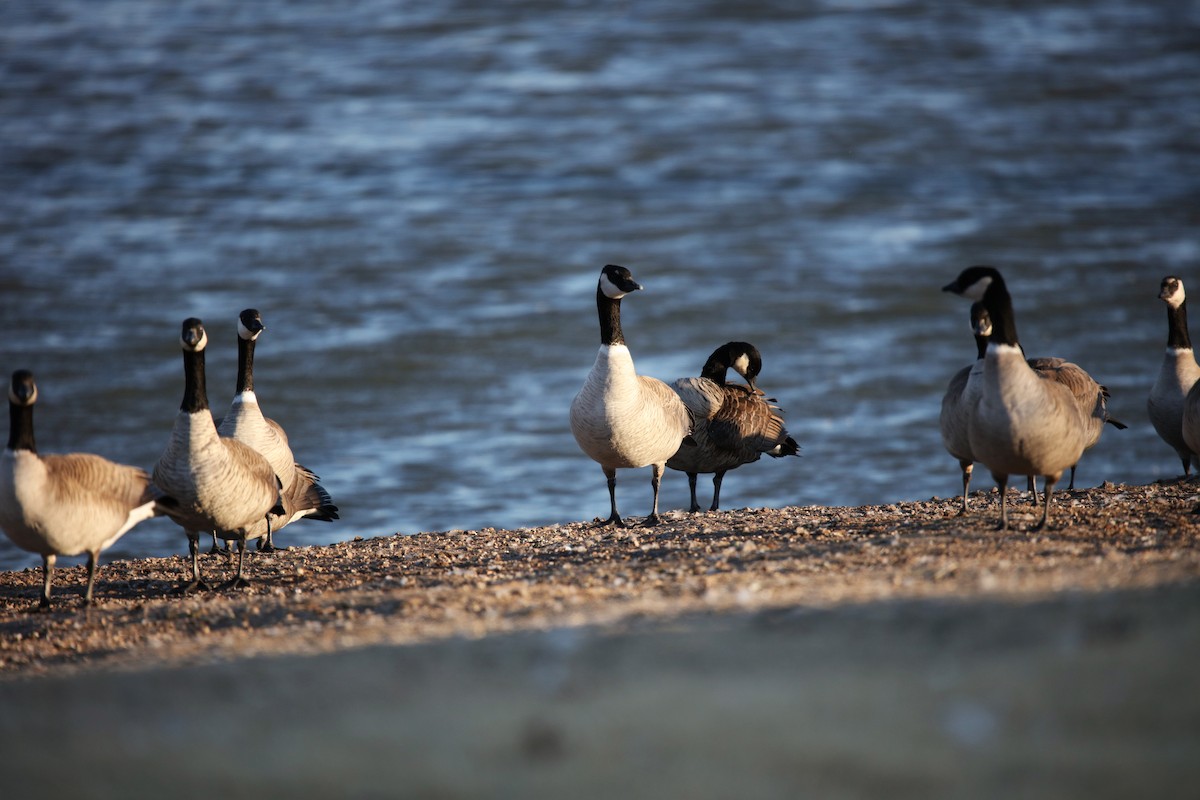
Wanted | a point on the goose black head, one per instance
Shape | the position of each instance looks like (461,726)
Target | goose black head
(193,338)
(745,360)
(1171,292)
(250,324)
(616,282)
(974,282)
(22,391)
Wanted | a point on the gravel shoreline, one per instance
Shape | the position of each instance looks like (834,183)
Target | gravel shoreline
(404,589)
(894,651)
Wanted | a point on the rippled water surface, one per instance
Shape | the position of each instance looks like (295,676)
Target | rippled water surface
(418,197)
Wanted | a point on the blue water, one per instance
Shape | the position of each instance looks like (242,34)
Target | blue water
(418,197)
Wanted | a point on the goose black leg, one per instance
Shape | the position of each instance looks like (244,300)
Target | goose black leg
(614,518)
(195,584)
(692,487)
(1046,508)
(716,503)
(655,482)
(967,468)
(1002,486)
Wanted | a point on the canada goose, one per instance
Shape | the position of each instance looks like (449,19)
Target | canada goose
(64,505)
(221,485)
(962,394)
(734,424)
(1022,424)
(1090,396)
(1177,375)
(303,495)
(619,418)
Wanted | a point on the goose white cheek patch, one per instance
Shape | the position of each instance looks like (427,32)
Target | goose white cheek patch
(245,333)
(609,288)
(977,289)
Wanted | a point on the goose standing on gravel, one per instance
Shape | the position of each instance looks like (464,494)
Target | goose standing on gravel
(962,394)
(303,496)
(221,485)
(620,419)
(1177,375)
(1090,396)
(64,505)
(1022,424)
(734,424)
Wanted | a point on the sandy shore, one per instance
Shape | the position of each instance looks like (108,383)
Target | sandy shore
(893,650)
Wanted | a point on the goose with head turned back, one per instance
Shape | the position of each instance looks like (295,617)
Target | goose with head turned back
(1022,424)
(1177,375)
(959,401)
(220,484)
(303,496)
(734,424)
(64,505)
(620,419)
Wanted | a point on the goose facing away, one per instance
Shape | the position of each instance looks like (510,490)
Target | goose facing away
(734,424)
(63,505)
(1177,375)
(620,419)
(303,496)
(960,399)
(1022,424)
(220,484)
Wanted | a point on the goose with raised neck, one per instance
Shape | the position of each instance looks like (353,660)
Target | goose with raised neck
(1022,424)
(620,419)
(303,496)
(1177,374)
(220,484)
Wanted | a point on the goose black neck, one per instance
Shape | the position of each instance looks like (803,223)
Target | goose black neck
(20,428)
(998,303)
(981,343)
(195,393)
(1177,330)
(245,379)
(715,369)
(610,319)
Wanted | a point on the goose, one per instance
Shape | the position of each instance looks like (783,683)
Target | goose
(1022,424)
(960,399)
(620,419)
(221,485)
(63,505)
(734,424)
(1177,375)
(1091,397)
(303,495)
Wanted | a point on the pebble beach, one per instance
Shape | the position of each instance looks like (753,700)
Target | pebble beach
(899,649)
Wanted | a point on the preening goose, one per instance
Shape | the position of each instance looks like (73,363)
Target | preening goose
(1177,375)
(962,394)
(620,419)
(303,496)
(1022,424)
(64,505)
(734,424)
(221,485)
